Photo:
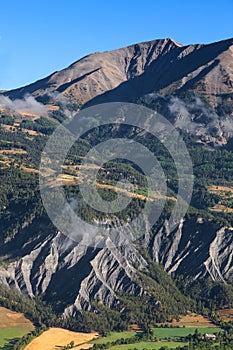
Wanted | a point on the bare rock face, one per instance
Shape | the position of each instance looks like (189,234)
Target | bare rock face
(76,274)
(195,249)
(131,72)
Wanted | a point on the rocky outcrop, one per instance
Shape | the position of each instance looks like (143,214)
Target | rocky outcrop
(196,249)
(75,274)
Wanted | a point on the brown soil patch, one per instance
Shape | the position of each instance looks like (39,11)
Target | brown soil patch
(31,132)
(72,180)
(5,163)
(10,318)
(122,190)
(52,107)
(17,124)
(67,179)
(8,127)
(13,316)
(220,208)
(29,170)
(226,314)
(194,320)
(13,151)
(133,194)
(134,328)
(55,338)
(224,191)
(34,116)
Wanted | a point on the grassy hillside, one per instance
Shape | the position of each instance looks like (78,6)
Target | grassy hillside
(13,325)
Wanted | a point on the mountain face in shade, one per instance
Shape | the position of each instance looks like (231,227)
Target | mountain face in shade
(131,72)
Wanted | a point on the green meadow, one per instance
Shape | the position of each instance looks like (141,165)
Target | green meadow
(8,334)
(173,334)
(163,333)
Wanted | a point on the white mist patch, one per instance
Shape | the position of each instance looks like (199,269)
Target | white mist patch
(63,102)
(26,105)
(194,117)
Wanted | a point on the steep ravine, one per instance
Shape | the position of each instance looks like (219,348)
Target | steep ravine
(76,274)
(197,249)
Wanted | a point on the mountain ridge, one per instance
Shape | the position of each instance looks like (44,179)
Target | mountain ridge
(159,65)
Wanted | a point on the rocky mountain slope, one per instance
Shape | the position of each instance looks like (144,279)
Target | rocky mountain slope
(38,260)
(127,73)
(58,268)
(197,248)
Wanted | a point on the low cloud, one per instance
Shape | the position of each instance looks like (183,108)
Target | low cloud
(197,119)
(27,105)
(63,102)
(194,117)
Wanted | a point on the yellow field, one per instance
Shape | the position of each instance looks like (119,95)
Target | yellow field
(56,338)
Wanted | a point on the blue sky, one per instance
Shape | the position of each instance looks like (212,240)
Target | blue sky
(38,37)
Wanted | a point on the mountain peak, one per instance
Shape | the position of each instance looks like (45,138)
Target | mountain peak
(174,42)
(160,65)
